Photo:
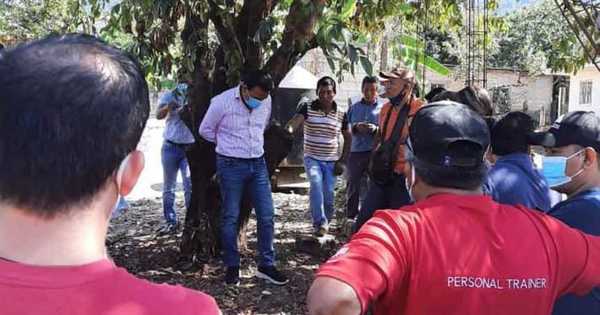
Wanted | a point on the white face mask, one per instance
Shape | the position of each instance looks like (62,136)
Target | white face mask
(409,186)
(118,182)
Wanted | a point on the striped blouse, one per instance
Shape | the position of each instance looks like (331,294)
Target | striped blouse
(322,131)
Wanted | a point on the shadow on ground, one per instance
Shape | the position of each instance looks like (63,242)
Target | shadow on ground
(134,244)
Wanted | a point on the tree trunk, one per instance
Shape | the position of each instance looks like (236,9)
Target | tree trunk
(201,234)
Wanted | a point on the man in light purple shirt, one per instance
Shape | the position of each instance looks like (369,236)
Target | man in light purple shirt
(235,122)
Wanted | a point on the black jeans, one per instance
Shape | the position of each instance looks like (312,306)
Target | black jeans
(358,163)
(394,195)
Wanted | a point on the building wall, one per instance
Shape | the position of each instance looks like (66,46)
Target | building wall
(588,73)
(533,95)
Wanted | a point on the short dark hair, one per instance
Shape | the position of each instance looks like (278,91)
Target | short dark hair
(433,93)
(511,134)
(260,78)
(71,109)
(369,80)
(326,81)
(466,178)
(452,177)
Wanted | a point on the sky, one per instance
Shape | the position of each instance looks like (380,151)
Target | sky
(507,6)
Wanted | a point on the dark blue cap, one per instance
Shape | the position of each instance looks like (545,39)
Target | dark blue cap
(449,134)
(580,127)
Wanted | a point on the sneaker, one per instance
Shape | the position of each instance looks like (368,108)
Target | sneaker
(322,230)
(169,228)
(232,276)
(271,274)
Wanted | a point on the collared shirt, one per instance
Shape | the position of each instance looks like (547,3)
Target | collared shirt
(582,212)
(237,131)
(363,111)
(415,105)
(452,254)
(514,180)
(322,131)
(175,129)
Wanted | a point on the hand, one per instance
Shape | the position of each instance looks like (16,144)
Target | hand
(371,127)
(365,128)
(289,130)
(360,127)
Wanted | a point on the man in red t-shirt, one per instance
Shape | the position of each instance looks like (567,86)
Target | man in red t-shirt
(455,251)
(72,111)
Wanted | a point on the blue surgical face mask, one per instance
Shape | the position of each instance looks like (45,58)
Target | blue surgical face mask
(182,88)
(554,169)
(253,103)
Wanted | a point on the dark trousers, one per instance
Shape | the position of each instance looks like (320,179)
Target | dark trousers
(358,163)
(391,196)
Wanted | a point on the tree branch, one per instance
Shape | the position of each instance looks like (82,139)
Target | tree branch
(226,33)
(298,37)
(253,12)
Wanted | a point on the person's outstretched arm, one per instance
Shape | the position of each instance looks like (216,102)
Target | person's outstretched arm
(329,296)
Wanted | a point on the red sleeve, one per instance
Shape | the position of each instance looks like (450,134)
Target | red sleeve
(578,257)
(375,261)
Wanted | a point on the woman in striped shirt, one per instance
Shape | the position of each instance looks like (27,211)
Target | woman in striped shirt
(323,123)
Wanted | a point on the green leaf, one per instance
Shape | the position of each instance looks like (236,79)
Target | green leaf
(367,65)
(348,9)
(352,54)
(436,67)
(405,8)
(410,41)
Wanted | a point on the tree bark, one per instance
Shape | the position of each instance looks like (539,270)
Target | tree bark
(198,239)
(298,37)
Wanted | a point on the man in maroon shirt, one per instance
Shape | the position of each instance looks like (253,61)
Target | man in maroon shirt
(455,251)
(72,111)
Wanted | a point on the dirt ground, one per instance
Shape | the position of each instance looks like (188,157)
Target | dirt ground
(134,244)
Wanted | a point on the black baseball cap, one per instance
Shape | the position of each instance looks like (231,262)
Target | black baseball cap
(512,133)
(580,127)
(448,134)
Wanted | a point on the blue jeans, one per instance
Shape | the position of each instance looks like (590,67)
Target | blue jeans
(236,176)
(120,207)
(322,185)
(174,161)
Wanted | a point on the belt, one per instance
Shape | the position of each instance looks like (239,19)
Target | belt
(242,159)
(182,145)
